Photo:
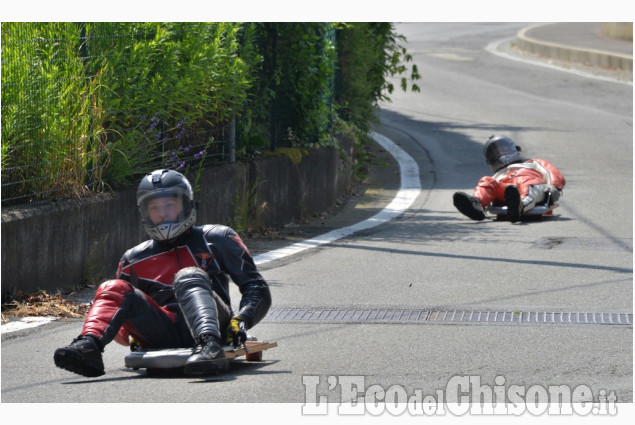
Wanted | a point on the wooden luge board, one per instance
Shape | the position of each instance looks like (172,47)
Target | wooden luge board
(252,348)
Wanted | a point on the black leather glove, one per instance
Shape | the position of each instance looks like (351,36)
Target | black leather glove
(555,193)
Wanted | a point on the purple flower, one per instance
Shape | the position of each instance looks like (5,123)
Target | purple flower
(154,122)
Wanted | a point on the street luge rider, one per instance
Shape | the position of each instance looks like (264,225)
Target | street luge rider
(517,182)
(172,290)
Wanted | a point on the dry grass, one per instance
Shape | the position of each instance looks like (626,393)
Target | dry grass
(618,30)
(42,304)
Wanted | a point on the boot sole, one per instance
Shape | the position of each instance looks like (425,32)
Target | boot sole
(465,207)
(76,363)
(211,367)
(512,200)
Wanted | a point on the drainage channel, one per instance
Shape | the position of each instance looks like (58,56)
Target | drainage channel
(414,316)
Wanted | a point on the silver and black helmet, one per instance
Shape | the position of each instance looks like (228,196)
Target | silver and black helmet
(161,184)
(500,151)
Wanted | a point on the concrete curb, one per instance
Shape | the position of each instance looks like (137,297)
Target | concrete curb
(568,53)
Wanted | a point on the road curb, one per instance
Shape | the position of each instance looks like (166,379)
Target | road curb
(568,53)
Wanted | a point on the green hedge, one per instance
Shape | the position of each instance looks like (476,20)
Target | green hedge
(90,106)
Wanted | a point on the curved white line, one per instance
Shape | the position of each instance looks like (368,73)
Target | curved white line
(410,188)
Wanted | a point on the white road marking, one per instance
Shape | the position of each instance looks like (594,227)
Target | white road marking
(410,188)
(25,323)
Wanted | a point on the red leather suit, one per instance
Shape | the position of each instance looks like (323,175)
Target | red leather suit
(524,175)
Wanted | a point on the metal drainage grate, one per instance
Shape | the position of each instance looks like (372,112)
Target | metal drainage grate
(445,316)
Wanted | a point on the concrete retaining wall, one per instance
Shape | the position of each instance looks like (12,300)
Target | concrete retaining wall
(62,244)
(597,56)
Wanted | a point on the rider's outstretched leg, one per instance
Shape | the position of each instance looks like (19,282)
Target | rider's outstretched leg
(118,306)
(195,297)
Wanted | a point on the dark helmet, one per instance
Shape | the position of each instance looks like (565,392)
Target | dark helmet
(500,151)
(161,184)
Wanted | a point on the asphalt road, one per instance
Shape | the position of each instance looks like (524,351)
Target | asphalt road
(431,259)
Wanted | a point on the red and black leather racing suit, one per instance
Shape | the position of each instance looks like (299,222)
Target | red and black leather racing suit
(530,176)
(161,295)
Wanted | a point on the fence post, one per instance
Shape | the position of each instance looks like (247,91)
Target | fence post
(232,140)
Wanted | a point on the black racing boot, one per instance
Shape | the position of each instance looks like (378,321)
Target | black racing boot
(194,294)
(207,358)
(469,206)
(514,206)
(82,356)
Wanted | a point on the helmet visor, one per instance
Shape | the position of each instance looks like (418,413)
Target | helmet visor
(164,206)
(499,150)
(501,153)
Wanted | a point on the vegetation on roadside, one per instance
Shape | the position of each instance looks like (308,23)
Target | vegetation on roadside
(88,107)
(42,304)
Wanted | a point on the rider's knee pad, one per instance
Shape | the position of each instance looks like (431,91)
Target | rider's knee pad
(189,277)
(117,286)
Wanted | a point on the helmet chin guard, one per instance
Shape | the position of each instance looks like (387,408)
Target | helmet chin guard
(169,231)
(166,184)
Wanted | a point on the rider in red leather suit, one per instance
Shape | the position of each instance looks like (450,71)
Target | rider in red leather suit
(172,290)
(517,182)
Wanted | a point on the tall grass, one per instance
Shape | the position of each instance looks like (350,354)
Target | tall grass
(48,106)
(171,86)
(88,106)
(91,106)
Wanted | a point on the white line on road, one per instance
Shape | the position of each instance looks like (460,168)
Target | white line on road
(25,323)
(410,188)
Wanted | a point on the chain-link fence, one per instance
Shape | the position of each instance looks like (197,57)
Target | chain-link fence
(88,107)
(61,133)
